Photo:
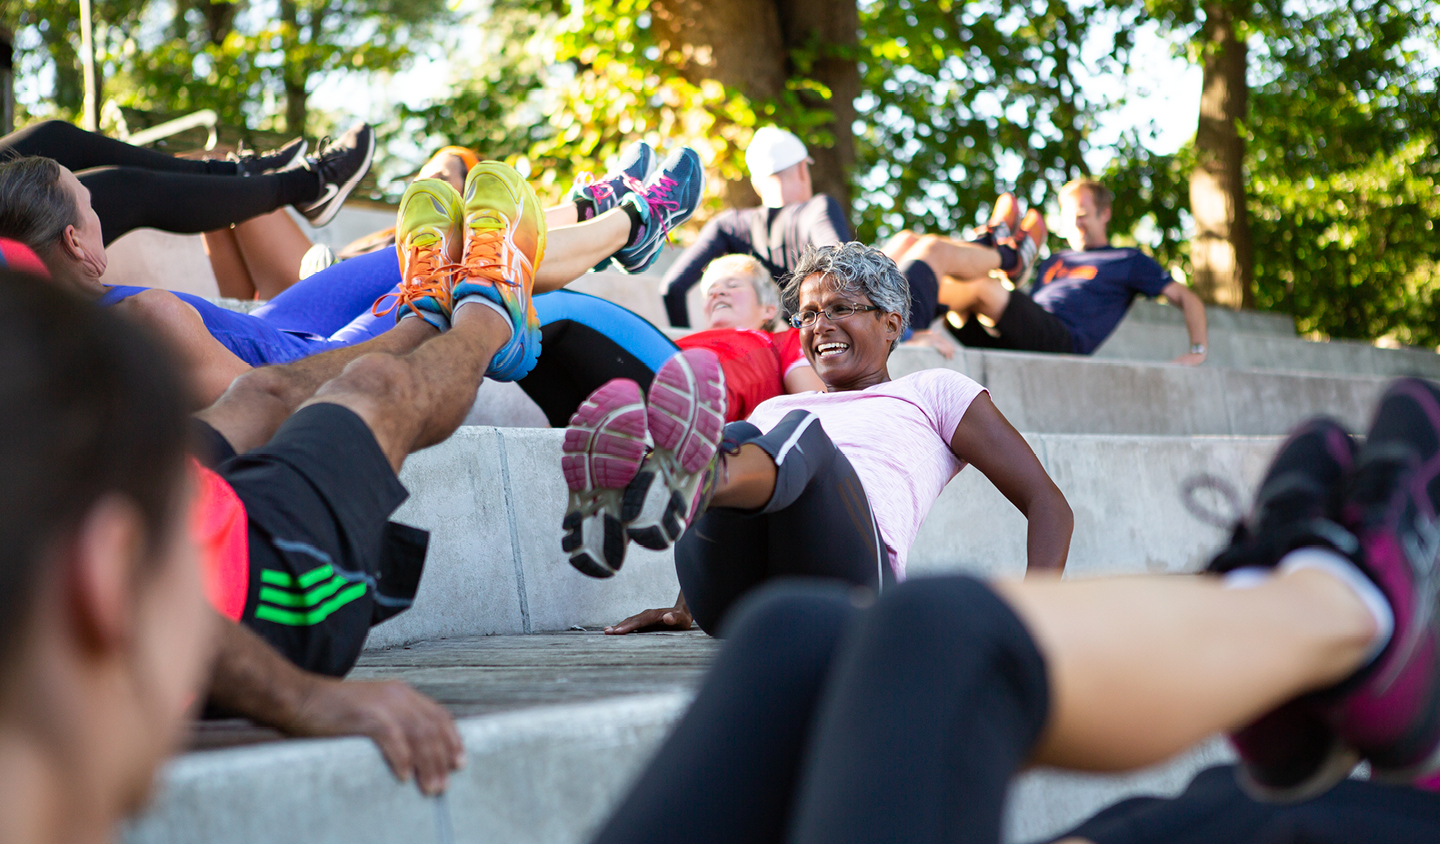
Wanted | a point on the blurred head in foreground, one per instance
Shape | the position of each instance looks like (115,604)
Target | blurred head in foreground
(104,631)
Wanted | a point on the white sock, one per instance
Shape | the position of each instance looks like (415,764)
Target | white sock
(494,306)
(1246,578)
(1345,571)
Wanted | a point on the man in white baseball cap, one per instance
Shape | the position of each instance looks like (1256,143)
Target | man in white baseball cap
(792,218)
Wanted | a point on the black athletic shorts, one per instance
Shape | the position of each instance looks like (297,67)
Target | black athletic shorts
(1023,327)
(325,561)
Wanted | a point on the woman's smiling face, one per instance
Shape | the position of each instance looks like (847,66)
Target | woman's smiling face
(730,302)
(850,353)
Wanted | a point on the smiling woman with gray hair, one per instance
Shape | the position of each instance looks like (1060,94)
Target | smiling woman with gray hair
(829,484)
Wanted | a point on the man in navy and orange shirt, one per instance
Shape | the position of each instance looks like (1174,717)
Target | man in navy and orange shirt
(1079,295)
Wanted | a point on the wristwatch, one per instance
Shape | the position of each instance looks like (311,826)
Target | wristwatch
(1197,348)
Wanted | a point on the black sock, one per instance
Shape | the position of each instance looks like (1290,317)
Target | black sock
(986,238)
(636,223)
(301,185)
(1009,258)
(584,208)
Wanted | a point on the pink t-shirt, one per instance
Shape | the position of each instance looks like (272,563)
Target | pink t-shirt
(897,436)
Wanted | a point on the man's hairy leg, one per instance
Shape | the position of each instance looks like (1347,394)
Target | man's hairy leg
(258,402)
(416,736)
(418,399)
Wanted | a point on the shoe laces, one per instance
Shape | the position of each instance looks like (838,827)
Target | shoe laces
(658,197)
(431,275)
(483,257)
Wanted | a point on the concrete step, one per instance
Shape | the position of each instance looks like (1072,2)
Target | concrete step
(1139,340)
(494,499)
(545,773)
(1081,395)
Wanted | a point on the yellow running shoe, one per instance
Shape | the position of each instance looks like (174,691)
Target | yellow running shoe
(504,244)
(428,240)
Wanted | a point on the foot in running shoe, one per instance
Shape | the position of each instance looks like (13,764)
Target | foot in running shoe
(669,197)
(1291,753)
(1027,243)
(428,231)
(685,412)
(504,243)
(637,163)
(340,166)
(1004,218)
(1390,711)
(604,446)
(258,163)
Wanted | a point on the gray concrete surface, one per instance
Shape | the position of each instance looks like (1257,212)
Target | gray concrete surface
(1074,394)
(494,499)
(567,721)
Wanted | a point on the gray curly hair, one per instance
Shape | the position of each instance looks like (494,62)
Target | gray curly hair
(854,268)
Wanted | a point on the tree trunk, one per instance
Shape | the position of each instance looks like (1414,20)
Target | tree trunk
(1221,251)
(296,97)
(734,42)
(836,25)
(746,45)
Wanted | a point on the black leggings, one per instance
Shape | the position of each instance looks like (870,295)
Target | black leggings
(817,524)
(131,187)
(1213,808)
(822,722)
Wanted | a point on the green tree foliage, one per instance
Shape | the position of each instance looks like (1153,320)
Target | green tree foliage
(965,100)
(1345,171)
(253,61)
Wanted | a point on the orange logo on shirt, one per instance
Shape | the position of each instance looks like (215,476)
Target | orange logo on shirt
(1060,270)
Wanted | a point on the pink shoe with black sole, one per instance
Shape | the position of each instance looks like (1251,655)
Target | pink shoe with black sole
(605,445)
(686,415)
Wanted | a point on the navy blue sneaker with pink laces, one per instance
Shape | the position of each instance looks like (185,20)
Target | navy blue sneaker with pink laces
(668,199)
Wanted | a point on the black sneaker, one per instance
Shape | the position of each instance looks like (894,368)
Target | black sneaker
(340,165)
(1292,753)
(251,163)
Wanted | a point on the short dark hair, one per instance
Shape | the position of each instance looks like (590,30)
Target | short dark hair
(89,406)
(34,207)
(1099,194)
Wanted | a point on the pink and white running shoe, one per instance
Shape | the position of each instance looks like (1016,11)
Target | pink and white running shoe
(686,413)
(605,445)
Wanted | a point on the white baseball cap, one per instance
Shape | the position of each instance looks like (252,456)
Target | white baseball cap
(771,150)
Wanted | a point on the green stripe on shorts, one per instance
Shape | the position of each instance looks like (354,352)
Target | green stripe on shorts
(315,613)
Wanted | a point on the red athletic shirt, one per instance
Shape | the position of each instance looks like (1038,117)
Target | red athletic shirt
(218,524)
(755,363)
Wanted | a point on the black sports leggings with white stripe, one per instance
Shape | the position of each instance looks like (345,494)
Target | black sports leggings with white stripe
(817,524)
(132,187)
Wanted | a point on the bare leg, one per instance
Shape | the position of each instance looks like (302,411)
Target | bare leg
(273,246)
(232,276)
(899,244)
(957,258)
(562,215)
(1141,668)
(572,250)
(749,479)
(982,295)
(259,401)
(417,400)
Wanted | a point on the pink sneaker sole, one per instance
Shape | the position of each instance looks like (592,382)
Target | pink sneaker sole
(603,449)
(687,420)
